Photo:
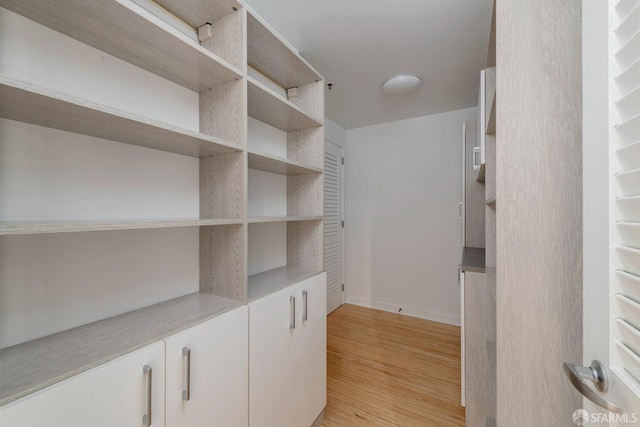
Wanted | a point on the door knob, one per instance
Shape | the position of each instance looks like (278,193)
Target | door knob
(597,374)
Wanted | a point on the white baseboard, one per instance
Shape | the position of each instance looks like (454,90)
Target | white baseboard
(406,311)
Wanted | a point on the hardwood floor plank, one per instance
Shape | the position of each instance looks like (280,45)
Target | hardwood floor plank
(384,369)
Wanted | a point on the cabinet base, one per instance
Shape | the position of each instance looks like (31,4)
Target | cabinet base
(319,420)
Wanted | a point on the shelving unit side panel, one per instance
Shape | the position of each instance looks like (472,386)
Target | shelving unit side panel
(223,186)
(223,111)
(307,146)
(309,99)
(305,244)
(223,261)
(477,381)
(228,39)
(305,195)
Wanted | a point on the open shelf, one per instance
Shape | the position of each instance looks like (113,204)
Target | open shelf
(279,165)
(271,281)
(8,228)
(491,277)
(491,202)
(126,30)
(272,56)
(262,219)
(199,12)
(36,364)
(269,107)
(473,259)
(491,122)
(480,173)
(32,104)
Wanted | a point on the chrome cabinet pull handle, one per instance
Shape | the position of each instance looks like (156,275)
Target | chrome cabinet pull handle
(476,151)
(186,393)
(292,313)
(148,373)
(597,374)
(304,305)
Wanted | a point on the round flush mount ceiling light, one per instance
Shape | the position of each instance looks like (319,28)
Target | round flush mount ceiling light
(402,84)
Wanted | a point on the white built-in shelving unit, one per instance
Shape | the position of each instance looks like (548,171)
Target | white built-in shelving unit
(286,93)
(161,37)
(480,374)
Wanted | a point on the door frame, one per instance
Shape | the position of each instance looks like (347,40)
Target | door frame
(341,213)
(598,208)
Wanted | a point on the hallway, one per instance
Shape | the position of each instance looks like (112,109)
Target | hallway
(386,369)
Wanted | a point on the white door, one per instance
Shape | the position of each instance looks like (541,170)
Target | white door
(272,327)
(333,225)
(311,350)
(207,373)
(612,207)
(114,394)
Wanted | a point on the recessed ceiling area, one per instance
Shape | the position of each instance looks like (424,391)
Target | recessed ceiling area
(359,44)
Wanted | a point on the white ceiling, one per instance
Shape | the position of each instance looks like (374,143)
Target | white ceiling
(358,44)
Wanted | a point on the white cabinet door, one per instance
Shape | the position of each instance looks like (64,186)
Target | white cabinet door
(271,360)
(311,350)
(214,357)
(113,394)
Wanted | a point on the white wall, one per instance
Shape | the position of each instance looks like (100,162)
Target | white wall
(596,180)
(403,232)
(54,282)
(334,133)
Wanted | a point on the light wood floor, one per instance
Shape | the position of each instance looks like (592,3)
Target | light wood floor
(389,370)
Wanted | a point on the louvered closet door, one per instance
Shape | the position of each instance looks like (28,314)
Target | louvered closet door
(333,236)
(625,199)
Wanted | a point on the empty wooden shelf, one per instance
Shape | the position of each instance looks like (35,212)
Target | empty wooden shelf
(259,219)
(491,121)
(8,228)
(199,12)
(127,31)
(473,260)
(36,364)
(279,165)
(269,107)
(274,57)
(268,282)
(32,104)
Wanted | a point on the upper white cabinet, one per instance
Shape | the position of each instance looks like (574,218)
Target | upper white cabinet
(119,393)
(207,373)
(287,331)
